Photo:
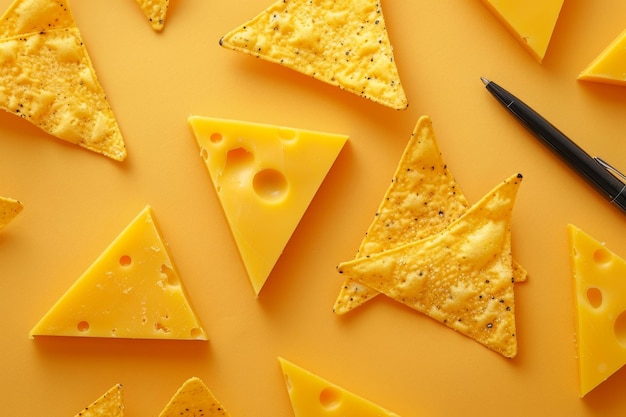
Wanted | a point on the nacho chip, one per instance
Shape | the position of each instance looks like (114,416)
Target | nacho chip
(193,398)
(47,78)
(462,277)
(343,43)
(9,208)
(109,405)
(422,199)
(155,11)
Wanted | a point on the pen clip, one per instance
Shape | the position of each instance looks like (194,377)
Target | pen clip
(611,169)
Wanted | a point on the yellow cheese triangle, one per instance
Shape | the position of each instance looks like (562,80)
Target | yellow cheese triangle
(343,43)
(57,88)
(422,199)
(193,398)
(311,395)
(110,404)
(265,177)
(600,298)
(132,290)
(609,66)
(462,277)
(9,208)
(532,22)
(155,11)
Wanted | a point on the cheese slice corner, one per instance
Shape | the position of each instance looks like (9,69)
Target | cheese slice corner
(110,404)
(132,290)
(531,22)
(600,298)
(265,177)
(311,395)
(609,67)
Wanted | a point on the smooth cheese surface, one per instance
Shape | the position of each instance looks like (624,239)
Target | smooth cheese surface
(600,297)
(609,66)
(312,396)
(9,209)
(132,291)
(265,177)
(532,22)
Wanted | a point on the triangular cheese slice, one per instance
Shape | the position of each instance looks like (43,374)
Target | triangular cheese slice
(193,399)
(110,404)
(265,177)
(57,88)
(155,11)
(9,208)
(600,298)
(532,22)
(311,395)
(132,290)
(462,277)
(422,199)
(610,66)
(343,43)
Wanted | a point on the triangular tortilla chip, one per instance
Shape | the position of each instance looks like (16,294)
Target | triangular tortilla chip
(193,399)
(132,290)
(155,11)
(422,199)
(609,66)
(56,87)
(9,208)
(110,404)
(343,43)
(265,180)
(462,277)
(600,297)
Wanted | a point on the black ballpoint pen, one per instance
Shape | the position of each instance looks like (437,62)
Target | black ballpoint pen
(606,179)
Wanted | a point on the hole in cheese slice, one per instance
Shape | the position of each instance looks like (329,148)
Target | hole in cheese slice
(600,320)
(265,180)
(193,398)
(532,22)
(144,299)
(110,404)
(311,395)
(9,209)
(609,66)
(422,199)
(343,43)
(57,88)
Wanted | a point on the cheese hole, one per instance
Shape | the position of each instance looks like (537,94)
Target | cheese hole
(594,296)
(204,154)
(216,137)
(270,184)
(196,333)
(238,158)
(330,397)
(288,383)
(287,134)
(170,276)
(620,328)
(125,260)
(82,326)
(602,256)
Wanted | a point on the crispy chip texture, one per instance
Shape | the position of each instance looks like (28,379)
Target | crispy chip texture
(47,78)
(343,43)
(422,199)
(155,11)
(9,208)
(462,276)
(109,405)
(193,399)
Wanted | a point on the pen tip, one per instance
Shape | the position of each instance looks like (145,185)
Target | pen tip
(484,80)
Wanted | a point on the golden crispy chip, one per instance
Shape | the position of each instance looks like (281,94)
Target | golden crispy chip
(109,405)
(193,398)
(155,11)
(343,43)
(462,276)
(47,78)
(421,200)
(9,208)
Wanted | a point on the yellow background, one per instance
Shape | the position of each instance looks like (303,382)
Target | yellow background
(77,202)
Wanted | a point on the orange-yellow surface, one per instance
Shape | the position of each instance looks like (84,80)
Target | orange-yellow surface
(77,201)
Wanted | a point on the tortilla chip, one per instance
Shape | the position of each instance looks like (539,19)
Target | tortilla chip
(155,11)
(193,398)
(462,276)
(109,405)
(343,43)
(422,199)
(9,208)
(47,78)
